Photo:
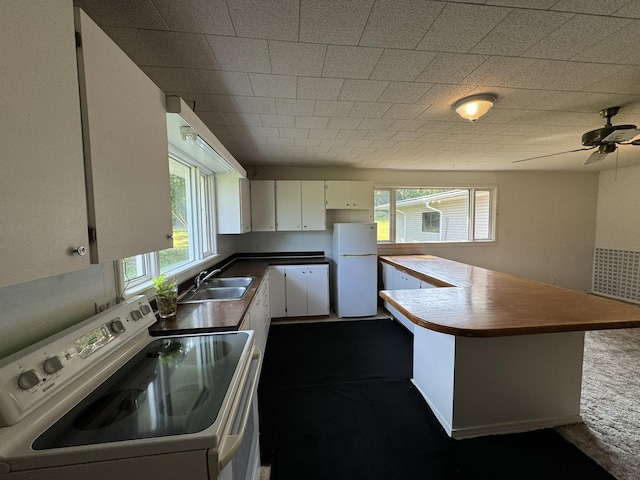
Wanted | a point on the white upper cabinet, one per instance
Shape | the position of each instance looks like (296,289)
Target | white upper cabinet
(343,194)
(288,205)
(126,149)
(263,206)
(233,203)
(42,189)
(314,214)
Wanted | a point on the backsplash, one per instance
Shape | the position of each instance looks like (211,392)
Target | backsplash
(616,273)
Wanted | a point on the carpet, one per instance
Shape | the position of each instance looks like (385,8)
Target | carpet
(336,402)
(610,403)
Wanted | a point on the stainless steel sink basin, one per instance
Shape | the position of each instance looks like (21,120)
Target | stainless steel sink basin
(229,282)
(206,294)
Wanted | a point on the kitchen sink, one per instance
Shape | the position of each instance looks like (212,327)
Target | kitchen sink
(209,294)
(229,282)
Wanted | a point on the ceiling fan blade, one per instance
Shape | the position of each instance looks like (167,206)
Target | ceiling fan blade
(553,154)
(622,135)
(596,157)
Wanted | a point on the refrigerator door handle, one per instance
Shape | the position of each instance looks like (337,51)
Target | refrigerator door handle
(359,255)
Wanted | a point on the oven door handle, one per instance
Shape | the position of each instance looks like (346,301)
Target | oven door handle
(232,441)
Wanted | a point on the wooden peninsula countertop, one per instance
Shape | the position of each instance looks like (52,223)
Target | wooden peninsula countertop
(476,302)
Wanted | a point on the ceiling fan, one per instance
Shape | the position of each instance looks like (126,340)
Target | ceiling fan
(605,139)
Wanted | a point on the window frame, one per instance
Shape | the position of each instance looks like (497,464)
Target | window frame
(471,214)
(199,252)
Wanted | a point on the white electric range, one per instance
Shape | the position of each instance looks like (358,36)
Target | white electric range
(105,400)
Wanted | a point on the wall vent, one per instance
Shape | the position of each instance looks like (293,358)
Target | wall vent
(616,274)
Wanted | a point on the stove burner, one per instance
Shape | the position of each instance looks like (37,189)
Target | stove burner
(184,400)
(110,409)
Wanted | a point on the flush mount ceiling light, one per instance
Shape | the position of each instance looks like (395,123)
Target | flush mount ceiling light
(475,106)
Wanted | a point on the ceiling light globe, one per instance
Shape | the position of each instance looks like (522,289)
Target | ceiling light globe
(473,107)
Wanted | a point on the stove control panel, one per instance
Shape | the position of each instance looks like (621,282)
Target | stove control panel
(31,376)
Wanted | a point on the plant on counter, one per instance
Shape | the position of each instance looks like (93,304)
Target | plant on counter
(166,295)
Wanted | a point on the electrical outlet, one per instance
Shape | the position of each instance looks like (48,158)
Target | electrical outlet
(102,306)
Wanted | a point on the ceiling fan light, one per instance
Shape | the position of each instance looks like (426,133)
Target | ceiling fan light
(473,107)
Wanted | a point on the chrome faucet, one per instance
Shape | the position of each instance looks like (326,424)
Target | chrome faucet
(204,276)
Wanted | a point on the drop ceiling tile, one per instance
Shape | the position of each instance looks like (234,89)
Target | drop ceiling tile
(333,21)
(575,36)
(408,136)
(405,125)
(438,112)
(445,94)
(285,121)
(497,71)
(212,119)
(399,23)
(451,67)
(189,50)
(318,149)
(213,103)
(294,132)
(244,119)
(404,92)
(280,141)
(322,133)
(291,58)
(311,122)
(404,111)
(263,131)
(401,65)
(271,19)
(623,81)
(538,4)
(139,14)
(135,44)
(176,79)
(519,31)
(233,131)
(307,142)
(255,104)
(326,108)
(592,7)
(352,134)
(460,27)
(513,98)
(229,83)
(619,47)
(369,109)
(379,134)
(375,123)
(333,142)
(319,88)
(362,90)
(344,123)
(196,16)
(265,85)
(383,143)
(630,10)
(558,75)
(350,62)
(240,54)
(290,106)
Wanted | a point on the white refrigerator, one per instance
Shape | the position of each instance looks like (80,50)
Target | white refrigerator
(355,269)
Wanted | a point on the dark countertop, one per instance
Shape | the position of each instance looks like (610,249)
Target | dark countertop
(219,316)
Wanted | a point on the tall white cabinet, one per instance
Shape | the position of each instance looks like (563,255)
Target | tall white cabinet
(52,94)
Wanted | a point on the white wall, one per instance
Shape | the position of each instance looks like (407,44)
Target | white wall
(545,224)
(618,217)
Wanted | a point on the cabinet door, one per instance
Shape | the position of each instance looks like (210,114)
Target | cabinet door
(411,282)
(288,205)
(318,290)
(362,195)
(42,189)
(277,292)
(337,194)
(126,149)
(314,214)
(245,205)
(296,286)
(263,206)
(257,322)
(233,204)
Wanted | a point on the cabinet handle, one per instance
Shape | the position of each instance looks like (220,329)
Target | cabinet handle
(81,250)
(170,237)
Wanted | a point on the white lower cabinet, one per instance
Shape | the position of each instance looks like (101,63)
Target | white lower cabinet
(258,317)
(395,279)
(299,290)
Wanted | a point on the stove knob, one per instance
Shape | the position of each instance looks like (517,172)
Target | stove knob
(117,326)
(28,380)
(136,315)
(52,365)
(146,309)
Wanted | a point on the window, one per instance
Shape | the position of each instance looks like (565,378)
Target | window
(192,197)
(414,215)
